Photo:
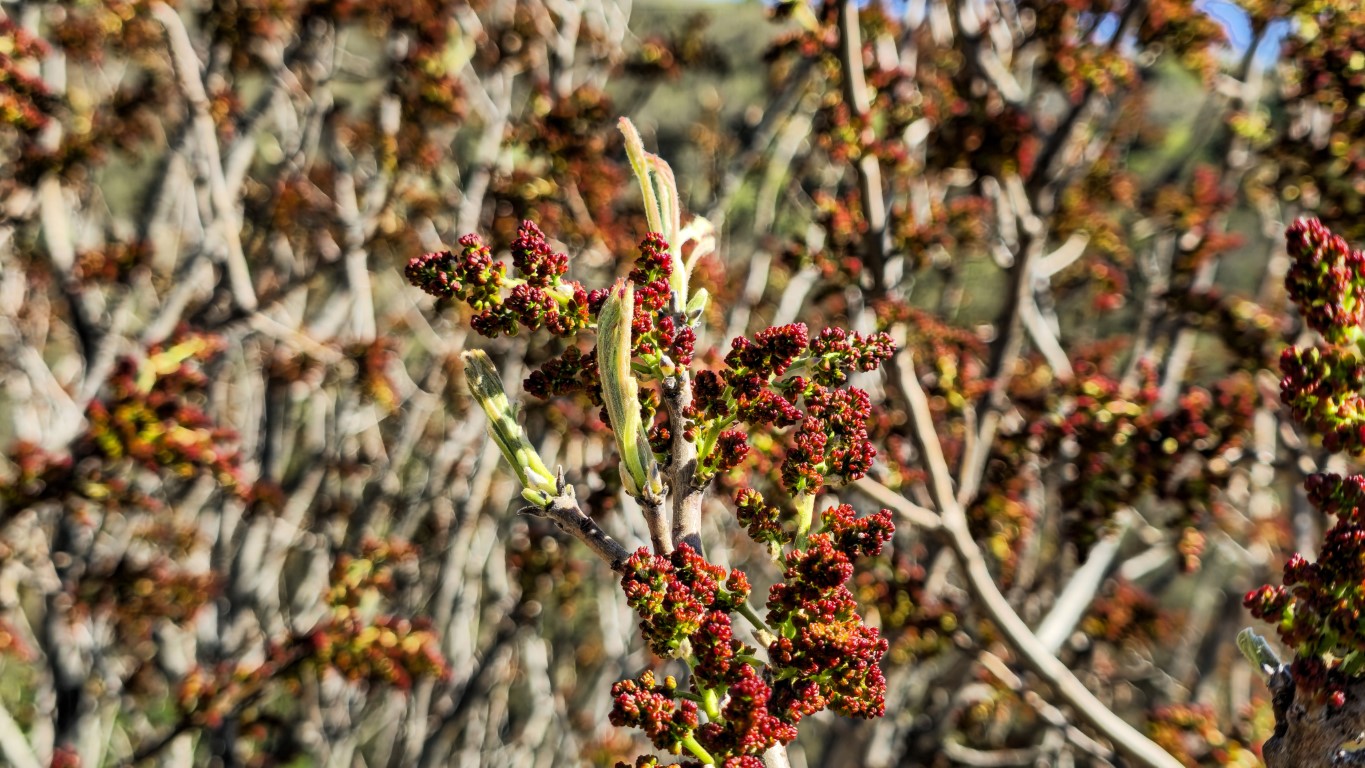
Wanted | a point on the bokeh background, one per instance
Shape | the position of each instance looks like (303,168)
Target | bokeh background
(249,514)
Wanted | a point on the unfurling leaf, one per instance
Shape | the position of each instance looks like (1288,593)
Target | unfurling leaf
(620,394)
(663,208)
(1257,651)
(538,482)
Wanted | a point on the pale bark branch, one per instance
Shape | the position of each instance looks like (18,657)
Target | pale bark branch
(206,136)
(988,597)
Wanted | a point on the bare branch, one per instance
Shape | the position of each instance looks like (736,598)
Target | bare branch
(206,136)
(987,595)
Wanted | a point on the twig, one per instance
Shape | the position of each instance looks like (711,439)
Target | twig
(869,171)
(956,751)
(206,135)
(13,745)
(904,508)
(1001,671)
(686,494)
(1080,592)
(987,595)
(569,517)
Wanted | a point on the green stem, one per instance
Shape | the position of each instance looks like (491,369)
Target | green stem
(805,512)
(698,751)
(707,443)
(749,613)
(710,703)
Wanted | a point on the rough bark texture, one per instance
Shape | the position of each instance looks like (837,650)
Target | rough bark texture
(1309,730)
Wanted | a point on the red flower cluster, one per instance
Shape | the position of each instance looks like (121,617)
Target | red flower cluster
(1322,385)
(835,352)
(149,416)
(1190,732)
(1322,388)
(747,726)
(1326,280)
(1126,613)
(539,297)
(640,703)
(1126,446)
(383,649)
(1311,610)
(820,652)
(1318,607)
(831,439)
(824,654)
(657,332)
(685,608)
(25,102)
(134,597)
(674,593)
(762,521)
(917,623)
(386,650)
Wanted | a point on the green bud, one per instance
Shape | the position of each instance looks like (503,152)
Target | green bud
(535,497)
(696,305)
(621,394)
(1257,651)
(539,483)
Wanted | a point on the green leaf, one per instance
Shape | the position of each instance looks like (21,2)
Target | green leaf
(486,386)
(621,393)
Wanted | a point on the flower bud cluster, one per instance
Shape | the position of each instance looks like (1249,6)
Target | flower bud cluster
(1310,610)
(762,521)
(820,652)
(352,640)
(538,297)
(150,416)
(747,726)
(1124,614)
(1322,388)
(1326,279)
(1127,446)
(831,439)
(674,593)
(112,264)
(1321,88)
(642,703)
(25,102)
(658,332)
(134,597)
(1246,328)
(660,338)
(386,650)
(685,605)
(824,654)
(1317,608)
(379,648)
(917,624)
(960,225)
(1191,733)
